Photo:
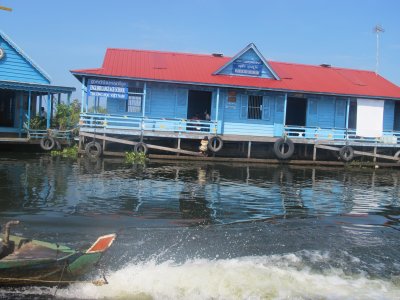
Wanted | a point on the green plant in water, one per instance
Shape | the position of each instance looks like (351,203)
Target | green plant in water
(132,157)
(70,152)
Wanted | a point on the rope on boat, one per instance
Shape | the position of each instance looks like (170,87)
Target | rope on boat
(98,282)
(62,274)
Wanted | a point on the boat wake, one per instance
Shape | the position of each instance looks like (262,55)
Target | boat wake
(261,277)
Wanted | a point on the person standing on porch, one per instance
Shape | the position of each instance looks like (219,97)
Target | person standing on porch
(43,113)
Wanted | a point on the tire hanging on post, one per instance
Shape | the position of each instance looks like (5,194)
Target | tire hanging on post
(93,150)
(47,143)
(140,147)
(346,153)
(283,148)
(215,144)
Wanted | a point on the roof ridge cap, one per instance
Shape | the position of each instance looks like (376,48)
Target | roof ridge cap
(165,52)
(319,66)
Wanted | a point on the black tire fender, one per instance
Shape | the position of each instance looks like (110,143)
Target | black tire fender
(93,149)
(215,144)
(346,153)
(140,147)
(280,146)
(47,143)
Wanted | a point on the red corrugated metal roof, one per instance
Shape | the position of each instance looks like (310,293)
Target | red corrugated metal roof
(199,69)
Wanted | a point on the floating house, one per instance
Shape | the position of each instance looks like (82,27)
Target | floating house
(245,99)
(24,90)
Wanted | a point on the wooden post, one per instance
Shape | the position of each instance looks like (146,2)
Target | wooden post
(83,93)
(347,117)
(48,110)
(313,176)
(249,150)
(29,108)
(315,153)
(144,99)
(178,146)
(69,103)
(217,106)
(104,143)
(375,151)
(80,143)
(40,104)
(21,112)
(284,111)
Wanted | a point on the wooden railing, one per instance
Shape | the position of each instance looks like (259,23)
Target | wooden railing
(90,120)
(318,133)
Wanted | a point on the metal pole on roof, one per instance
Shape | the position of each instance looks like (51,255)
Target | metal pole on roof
(377,29)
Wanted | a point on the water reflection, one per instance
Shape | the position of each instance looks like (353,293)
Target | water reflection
(196,192)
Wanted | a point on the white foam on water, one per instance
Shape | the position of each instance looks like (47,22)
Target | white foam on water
(262,277)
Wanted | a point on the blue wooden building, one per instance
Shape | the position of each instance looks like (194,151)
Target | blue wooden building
(24,89)
(242,99)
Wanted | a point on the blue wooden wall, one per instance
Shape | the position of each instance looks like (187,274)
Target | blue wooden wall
(326,112)
(15,67)
(171,101)
(388,115)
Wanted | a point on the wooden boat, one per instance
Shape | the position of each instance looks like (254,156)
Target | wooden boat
(31,262)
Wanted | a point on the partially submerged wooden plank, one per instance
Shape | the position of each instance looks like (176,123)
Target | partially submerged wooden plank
(132,143)
(14,140)
(358,152)
(270,161)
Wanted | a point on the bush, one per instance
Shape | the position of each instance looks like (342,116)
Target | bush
(132,157)
(37,123)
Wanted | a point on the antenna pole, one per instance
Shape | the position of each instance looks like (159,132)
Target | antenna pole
(378,29)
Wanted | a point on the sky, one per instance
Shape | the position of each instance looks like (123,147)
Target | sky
(64,35)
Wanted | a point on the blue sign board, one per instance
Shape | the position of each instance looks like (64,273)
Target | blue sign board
(247,67)
(108,88)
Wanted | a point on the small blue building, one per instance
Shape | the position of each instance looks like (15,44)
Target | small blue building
(24,89)
(244,99)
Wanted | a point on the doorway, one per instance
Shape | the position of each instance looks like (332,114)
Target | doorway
(199,105)
(7,108)
(296,111)
(352,124)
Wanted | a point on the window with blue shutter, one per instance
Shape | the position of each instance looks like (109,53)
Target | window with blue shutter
(266,108)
